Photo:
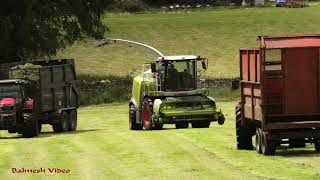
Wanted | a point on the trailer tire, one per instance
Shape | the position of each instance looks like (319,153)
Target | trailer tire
(73,120)
(258,140)
(181,125)
(268,147)
(133,125)
(201,124)
(31,128)
(243,133)
(147,109)
(63,124)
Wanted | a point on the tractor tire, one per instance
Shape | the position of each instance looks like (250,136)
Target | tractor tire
(63,124)
(243,133)
(181,125)
(268,147)
(31,128)
(316,144)
(147,109)
(73,120)
(258,140)
(133,125)
(201,124)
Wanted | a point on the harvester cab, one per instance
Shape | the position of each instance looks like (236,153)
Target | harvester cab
(167,92)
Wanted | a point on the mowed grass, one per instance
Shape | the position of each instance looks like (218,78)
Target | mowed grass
(216,34)
(104,148)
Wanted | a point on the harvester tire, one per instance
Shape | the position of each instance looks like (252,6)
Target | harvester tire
(201,124)
(181,125)
(147,110)
(31,128)
(243,133)
(73,120)
(133,125)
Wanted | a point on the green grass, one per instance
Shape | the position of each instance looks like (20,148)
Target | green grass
(216,34)
(104,148)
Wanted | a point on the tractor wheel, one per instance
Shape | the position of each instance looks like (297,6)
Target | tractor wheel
(200,124)
(243,133)
(147,110)
(73,120)
(316,144)
(258,140)
(181,125)
(268,147)
(31,128)
(132,119)
(63,124)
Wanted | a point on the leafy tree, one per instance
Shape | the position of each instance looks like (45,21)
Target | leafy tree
(31,29)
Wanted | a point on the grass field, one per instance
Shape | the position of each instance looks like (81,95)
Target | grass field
(216,34)
(104,148)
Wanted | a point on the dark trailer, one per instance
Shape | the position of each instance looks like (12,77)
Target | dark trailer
(44,94)
(280,93)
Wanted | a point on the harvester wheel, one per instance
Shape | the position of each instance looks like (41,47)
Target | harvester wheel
(268,147)
(316,144)
(132,119)
(181,125)
(243,133)
(31,128)
(147,113)
(73,120)
(200,124)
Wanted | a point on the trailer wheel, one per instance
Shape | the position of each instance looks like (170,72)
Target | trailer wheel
(201,124)
(243,133)
(316,144)
(146,113)
(73,120)
(181,125)
(31,128)
(258,140)
(63,124)
(268,147)
(132,119)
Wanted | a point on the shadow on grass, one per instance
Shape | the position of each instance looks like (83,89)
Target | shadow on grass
(49,134)
(297,153)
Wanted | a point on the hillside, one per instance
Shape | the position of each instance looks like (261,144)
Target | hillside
(216,34)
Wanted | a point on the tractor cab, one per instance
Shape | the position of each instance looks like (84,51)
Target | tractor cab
(178,73)
(14,93)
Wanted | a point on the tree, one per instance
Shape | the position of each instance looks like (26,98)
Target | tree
(31,29)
